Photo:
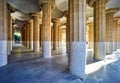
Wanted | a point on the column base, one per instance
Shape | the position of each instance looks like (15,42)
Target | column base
(68,47)
(28,44)
(36,46)
(9,47)
(77,58)
(109,48)
(115,46)
(3,53)
(99,50)
(90,45)
(118,45)
(46,49)
(31,46)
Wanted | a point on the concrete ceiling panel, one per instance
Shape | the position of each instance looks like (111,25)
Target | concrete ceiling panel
(26,6)
(20,16)
(56,13)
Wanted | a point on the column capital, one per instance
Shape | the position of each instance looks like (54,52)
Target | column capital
(116,18)
(91,2)
(37,14)
(112,10)
(66,13)
(46,1)
(30,21)
(56,20)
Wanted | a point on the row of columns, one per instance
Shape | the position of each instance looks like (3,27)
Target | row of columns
(77,31)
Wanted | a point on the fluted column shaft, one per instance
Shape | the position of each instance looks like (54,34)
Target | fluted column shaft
(46,20)
(3,32)
(31,34)
(67,34)
(9,33)
(118,35)
(55,33)
(109,29)
(28,35)
(114,35)
(77,23)
(25,32)
(99,29)
(91,36)
(36,44)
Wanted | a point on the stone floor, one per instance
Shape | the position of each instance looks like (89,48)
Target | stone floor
(27,67)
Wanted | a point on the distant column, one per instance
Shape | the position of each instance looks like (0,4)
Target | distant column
(31,34)
(9,33)
(55,33)
(36,23)
(28,35)
(115,35)
(109,30)
(91,36)
(67,33)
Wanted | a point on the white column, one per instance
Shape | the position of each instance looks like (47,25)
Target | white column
(46,20)
(77,59)
(36,24)
(99,29)
(3,32)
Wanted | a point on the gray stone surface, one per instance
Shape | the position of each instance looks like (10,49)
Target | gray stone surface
(27,67)
(46,49)
(109,48)
(3,53)
(78,58)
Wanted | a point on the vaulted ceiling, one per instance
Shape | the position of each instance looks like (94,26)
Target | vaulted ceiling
(22,9)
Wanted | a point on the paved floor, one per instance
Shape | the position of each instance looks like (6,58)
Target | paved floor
(28,67)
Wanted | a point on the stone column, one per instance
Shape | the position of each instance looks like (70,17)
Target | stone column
(115,35)
(28,35)
(25,32)
(67,33)
(41,34)
(109,29)
(3,32)
(99,29)
(23,36)
(36,44)
(61,35)
(91,36)
(52,37)
(77,59)
(9,33)
(13,30)
(59,39)
(118,34)
(31,34)
(55,33)
(46,20)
